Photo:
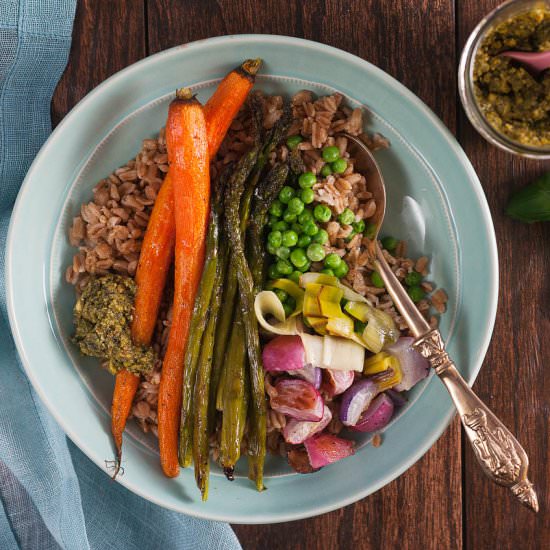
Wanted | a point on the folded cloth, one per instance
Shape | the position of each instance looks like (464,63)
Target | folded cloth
(51,495)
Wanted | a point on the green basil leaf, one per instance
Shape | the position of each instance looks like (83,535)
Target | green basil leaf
(532,203)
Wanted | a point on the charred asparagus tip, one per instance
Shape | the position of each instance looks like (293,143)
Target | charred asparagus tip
(229,473)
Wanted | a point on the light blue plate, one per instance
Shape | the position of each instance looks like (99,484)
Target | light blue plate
(435,201)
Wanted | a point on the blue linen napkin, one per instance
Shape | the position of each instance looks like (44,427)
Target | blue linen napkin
(51,495)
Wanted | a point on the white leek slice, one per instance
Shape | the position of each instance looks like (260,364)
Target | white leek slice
(322,278)
(342,354)
(267,303)
(313,346)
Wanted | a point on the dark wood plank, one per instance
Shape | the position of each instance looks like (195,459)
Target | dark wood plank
(423,508)
(107,36)
(513,381)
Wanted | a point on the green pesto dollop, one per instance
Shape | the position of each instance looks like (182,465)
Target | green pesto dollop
(102,318)
(513,101)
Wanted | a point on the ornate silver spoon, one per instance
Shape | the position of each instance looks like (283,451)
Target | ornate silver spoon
(501,457)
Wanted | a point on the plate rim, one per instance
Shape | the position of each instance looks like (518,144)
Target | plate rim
(362,64)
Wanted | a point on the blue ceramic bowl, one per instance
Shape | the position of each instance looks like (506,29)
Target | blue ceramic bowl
(435,201)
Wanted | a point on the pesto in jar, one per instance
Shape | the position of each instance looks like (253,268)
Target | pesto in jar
(102,319)
(513,101)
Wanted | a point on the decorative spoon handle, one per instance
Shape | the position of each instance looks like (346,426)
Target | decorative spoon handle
(500,455)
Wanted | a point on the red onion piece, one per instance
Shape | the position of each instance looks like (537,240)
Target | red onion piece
(356,399)
(399,400)
(310,374)
(336,382)
(297,399)
(376,416)
(283,353)
(325,449)
(297,431)
(414,366)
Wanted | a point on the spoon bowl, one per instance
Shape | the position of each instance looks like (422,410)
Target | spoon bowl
(533,62)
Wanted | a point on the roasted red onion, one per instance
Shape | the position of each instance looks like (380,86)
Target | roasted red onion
(399,400)
(325,449)
(414,366)
(297,399)
(376,416)
(283,353)
(297,431)
(356,399)
(336,382)
(310,374)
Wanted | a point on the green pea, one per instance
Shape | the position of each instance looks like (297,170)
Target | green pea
(281,294)
(320,237)
(305,216)
(330,153)
(286,193)
(307,196)
(297,228)
(293,141)
(275,238)
(289,310)
(307,179)
(272,220)
(290,238)
(295,276)
(283,252)
(289,217)
(332,261)
(305,267)
(322,213)
(295,206)
(315,252)
(291,301)
(326,170)
(298,257)
(280,226)
(359,226)
(327,271)
(390,243)
(273,272)
(413,278)
(347,217)
(276,209)
(370,230)
(311,228)
(339,166)
(416,293)
(271,249)
(303,241)
(284,267)
(341,270)
(377,280)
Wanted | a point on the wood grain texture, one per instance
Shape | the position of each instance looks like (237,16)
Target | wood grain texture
(423,508)
(107,36)
(513,381)
(415,41)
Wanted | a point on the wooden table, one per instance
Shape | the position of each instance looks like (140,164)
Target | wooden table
(443,501)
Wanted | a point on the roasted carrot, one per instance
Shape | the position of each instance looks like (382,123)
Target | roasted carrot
(158,244)
(187,145)
(223,106)
(154,261)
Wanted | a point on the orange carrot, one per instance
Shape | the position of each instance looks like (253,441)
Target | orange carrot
(158,244)
(154,262)
(187,144)
(223,106)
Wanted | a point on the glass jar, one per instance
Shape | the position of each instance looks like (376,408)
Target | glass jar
(466,72)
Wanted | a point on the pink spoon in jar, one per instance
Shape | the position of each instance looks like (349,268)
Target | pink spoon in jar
(534,62)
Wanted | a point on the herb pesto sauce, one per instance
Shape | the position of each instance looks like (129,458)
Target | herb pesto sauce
(102,318)
(513,101)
